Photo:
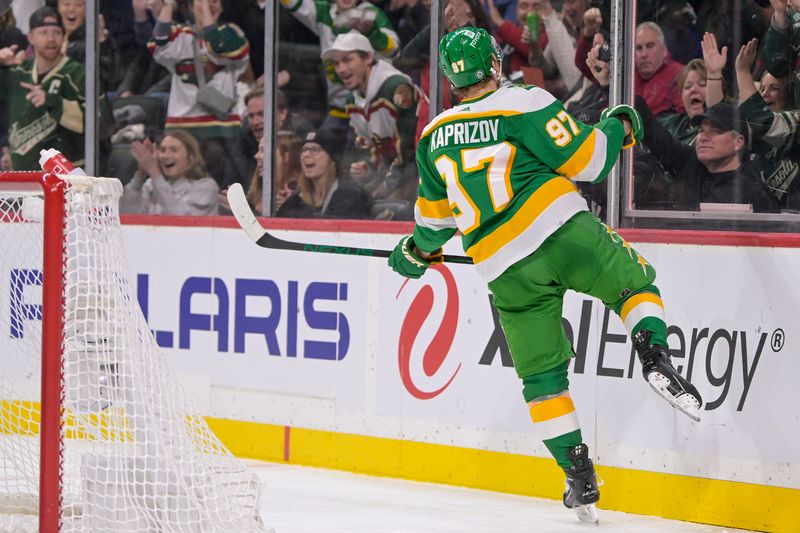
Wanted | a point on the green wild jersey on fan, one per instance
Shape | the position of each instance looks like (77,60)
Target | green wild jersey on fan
(56,124)
(500,168)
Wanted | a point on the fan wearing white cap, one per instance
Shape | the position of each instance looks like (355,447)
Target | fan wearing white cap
(329,18)
(381,108)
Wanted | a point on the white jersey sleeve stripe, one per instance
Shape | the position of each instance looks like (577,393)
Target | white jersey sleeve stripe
(431,223)
(599,156)
(642,311)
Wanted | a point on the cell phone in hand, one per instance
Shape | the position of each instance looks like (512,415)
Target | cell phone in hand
(605,52)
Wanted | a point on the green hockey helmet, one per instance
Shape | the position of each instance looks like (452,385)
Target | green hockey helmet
(465,55)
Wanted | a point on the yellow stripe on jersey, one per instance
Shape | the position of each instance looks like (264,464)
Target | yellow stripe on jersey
(434,208)
(580,158)
(590,159)
(534,206)
(505,102)
(551,408)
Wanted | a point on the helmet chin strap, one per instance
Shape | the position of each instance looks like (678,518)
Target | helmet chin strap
(497,73)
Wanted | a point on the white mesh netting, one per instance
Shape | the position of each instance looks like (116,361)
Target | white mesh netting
(135,456)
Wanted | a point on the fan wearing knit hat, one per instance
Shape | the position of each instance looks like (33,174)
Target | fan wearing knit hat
(322,191)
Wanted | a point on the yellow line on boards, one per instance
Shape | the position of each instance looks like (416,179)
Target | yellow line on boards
(707,501)
(249,439)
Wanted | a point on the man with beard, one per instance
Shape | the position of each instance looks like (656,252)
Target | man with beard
(44,95)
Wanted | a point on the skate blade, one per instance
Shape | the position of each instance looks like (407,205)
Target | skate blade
(685,403)
(588,514)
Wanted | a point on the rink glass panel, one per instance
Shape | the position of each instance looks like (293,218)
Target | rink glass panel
(643,197)
(653,198)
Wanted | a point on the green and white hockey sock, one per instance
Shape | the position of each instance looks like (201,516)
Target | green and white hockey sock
(557,425)
(645,311)
(553,412)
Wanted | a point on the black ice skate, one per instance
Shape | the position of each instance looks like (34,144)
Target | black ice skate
(661,375)
(581,493)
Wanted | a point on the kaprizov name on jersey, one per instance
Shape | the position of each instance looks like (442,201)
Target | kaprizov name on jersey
(472,132)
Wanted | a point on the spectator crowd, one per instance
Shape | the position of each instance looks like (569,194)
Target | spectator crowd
(181,97)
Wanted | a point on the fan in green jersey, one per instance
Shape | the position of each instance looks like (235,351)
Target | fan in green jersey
(44,95)
(500,168)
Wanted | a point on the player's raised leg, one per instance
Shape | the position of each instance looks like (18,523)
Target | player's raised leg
(623,280)
(642,312)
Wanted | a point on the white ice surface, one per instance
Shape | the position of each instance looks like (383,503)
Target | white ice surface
(299,499)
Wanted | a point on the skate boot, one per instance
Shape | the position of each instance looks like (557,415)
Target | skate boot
(661,375)
(581,493)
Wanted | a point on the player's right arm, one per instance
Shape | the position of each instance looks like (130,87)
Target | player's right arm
(569,147)
(672,155)
(434,217)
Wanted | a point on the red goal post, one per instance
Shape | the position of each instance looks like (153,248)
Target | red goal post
(52,189)
(95,433)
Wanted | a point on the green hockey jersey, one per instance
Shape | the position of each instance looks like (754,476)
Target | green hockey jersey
(500,168)
(56,124)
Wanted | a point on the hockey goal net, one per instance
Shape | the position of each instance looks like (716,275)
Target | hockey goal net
(95,434)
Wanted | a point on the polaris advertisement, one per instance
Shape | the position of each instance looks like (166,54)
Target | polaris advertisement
(425,360)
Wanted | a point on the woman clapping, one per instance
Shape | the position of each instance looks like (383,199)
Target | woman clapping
(170,179)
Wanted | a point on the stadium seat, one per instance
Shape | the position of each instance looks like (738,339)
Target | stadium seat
(392,210)
(121,164)
(154,112)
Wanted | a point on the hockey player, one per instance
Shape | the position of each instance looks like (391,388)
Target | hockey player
(500,168)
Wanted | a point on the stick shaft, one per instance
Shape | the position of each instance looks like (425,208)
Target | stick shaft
(250,224)
(270,241)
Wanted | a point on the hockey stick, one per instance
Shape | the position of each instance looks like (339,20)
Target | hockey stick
(249,223)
